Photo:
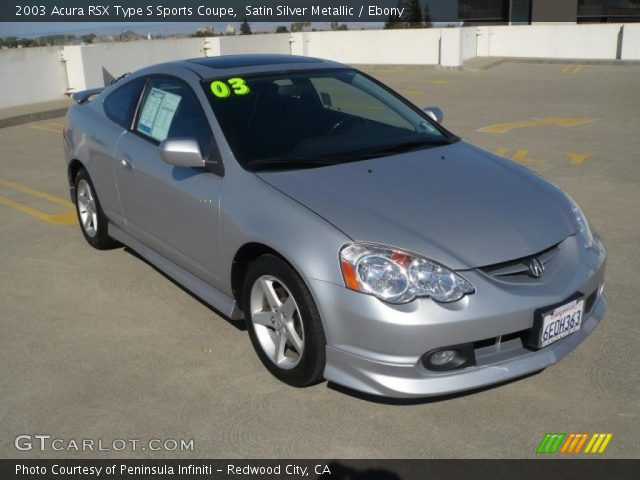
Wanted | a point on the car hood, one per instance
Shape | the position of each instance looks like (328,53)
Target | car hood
(458,205)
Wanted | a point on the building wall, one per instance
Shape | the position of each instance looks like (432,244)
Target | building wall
(554,11)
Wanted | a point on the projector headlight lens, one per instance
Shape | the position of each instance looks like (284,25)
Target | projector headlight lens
(396,276)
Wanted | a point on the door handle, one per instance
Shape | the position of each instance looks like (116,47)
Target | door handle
(127,163)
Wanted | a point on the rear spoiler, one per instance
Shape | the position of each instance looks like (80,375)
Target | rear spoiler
(86,95)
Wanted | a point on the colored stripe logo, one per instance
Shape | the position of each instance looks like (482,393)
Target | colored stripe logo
(574,443)
(550,443)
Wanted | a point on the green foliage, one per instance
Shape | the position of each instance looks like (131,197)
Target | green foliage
(394,21)
(245,28)
(299,26)
(43,41)
(427,16)
(281,29)
(89,38)
(413,15)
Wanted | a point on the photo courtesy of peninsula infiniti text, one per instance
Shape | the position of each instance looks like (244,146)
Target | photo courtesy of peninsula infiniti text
(361,241)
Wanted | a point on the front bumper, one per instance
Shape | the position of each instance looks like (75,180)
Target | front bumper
(377,348)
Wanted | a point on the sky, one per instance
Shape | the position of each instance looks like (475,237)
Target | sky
(440,9)
(30,29)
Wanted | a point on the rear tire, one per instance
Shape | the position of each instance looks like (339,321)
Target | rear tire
(283,322)
(92,220)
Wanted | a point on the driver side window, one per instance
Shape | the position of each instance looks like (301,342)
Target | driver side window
(170,109)
(343,97)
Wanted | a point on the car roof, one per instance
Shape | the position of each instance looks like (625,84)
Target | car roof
(211,67)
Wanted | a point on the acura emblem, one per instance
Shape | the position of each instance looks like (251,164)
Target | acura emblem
(536,268)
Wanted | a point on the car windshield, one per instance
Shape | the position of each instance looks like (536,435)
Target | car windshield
(314,118)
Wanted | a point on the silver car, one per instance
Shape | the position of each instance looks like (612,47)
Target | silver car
(361,241)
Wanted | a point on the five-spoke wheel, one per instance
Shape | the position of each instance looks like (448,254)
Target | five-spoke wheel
(283,322)
(277,321)
(92,219)
(87,208)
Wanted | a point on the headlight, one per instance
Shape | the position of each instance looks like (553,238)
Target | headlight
(582,223)
(396,276)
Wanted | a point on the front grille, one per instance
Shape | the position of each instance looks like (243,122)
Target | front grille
(520,266)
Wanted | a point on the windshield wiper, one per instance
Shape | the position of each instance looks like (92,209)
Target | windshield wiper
(405,147)
(296,162)
(322,160)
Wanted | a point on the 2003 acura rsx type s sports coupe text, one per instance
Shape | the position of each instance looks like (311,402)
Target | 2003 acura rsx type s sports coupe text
(361,241)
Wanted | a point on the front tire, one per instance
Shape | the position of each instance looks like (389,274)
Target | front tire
(92,220)
(283,322)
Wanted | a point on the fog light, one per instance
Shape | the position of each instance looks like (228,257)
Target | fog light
(450,358)
(442,357)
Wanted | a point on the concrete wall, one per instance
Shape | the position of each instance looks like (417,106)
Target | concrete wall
(451,47)
(483,42)
(272,43)
(31,75)
(122,57)
(552,41)
(390,47)
(631,42)
(468,42)
(85,63)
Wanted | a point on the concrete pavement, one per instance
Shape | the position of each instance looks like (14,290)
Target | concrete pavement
(100,345)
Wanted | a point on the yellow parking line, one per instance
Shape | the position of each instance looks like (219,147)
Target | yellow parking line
(56,124)
(46,129)
(571,69)
(522,155)
(578,158)
(413,92)
(66,218)
(535,122)
(36,193)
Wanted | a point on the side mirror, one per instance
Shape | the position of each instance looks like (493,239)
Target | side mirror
(182,152)
(434,112)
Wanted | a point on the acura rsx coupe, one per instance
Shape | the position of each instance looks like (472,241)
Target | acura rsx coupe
(361,241)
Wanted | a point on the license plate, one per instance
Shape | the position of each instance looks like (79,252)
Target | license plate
(560,322)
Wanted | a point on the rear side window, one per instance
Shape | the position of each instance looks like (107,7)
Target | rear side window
(120,104)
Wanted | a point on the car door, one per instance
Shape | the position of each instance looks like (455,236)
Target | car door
(174,210)
(118,106)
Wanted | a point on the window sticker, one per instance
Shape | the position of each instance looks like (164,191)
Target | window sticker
(157,113)
(223,89)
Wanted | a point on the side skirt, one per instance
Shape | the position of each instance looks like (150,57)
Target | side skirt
(206,292)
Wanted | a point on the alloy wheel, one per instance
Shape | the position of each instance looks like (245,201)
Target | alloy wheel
(87,208)
(277,322)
